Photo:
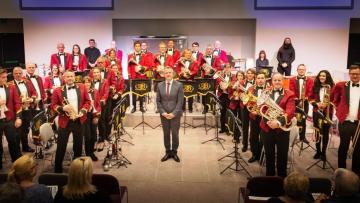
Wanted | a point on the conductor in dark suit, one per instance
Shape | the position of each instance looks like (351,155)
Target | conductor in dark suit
(169,99)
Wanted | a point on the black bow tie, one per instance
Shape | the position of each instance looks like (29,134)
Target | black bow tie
(170,49)
(71,87)
(301,77)
(355,85)
(258,87)
(2,86)
(278,91)
(21,82)
(55,76)
(138,54)
(208,56)
(251,82)
(62,54)
(32,76)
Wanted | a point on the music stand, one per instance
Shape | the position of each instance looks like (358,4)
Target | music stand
(325,163)
(141,87)
(190,91)
(235,154)
(35,124)
(301,142)
(216,116)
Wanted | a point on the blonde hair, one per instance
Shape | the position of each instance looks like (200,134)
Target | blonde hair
(296,185)
(22,169)
(79,179)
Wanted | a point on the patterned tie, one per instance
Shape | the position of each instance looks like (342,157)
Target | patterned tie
(168,89)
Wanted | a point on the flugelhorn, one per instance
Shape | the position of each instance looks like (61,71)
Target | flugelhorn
(25,101)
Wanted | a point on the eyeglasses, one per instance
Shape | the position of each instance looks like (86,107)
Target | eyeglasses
(354,74)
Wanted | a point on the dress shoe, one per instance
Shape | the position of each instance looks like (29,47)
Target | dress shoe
(252,159)
(93,157)
(157,111)
(166,157)
(176,158)
(317,155)
(204,111)
(28,149)
(244,149)
(142,109)
(133,110)
(108,138)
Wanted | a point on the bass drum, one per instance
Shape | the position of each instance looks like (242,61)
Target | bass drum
(46,132)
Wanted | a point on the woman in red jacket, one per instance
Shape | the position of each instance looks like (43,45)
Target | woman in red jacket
(77,60)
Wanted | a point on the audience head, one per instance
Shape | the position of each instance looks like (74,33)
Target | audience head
(296,185)
(18,73)
(79,179)
(24,168)
(346,183)
(354,73)
(10,192)
(92,43)
(3,76)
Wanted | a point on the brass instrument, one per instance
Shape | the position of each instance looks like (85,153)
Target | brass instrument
(72,114)
(245,96)
(25,101)
(328,104)
(208,69)
(3,109)
(160,68)
(223,84)
(185,72)
(138,68)
(252,106)
(273,110)
(354,140)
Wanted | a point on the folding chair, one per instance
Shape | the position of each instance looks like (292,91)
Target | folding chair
(320,185)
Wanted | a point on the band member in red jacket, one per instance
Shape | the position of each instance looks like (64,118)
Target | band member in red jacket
(219,52)
(271,133)
(175,53)
(77,60)
(92,118)
(10,116)
(186,68)
(346,97)
(302,86)
(37,84)
(161,60)
(105,72)
(112,59)
(118,52)
(197,55)
(138,64)
(60,58)
(222,84)
(51,82)
(27,98)
(72,103)
(322,111)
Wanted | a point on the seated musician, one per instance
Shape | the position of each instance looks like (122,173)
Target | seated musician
(27,98)
(92,118)
(52,81)
(186,68)
(302,86)
(255,118)
(72,103)
(222,82)
(77,60)
(272,132)
(322,111)
(161,60)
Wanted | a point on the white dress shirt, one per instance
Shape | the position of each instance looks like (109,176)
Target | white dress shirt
(72,98)
(354,100)
(187,64)
(208,60)
(22,88)
(76,60)
(301,83)
(3,96)
(170,52)
(62,59)
(194,55)
(57,82)
(162,60)
(36,85)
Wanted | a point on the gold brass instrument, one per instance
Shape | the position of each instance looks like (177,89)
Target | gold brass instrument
(354,140)
(224,84)
(160,68)
(326,101)
(208,69)
(138,68)
(185,72)
(3,109)
(251,105)
(25,101)
(272,109)
(72,114)
(245,96)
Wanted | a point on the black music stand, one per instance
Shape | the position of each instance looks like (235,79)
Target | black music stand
(324,165)
(205,85)
(235,154)
(216,103)
(141,87)
(190,90)
(35,124)
(300,143)
(156,83)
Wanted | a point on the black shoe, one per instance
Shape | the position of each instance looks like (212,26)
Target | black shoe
(133,110)
(176,158)
(108,138)
(28,149)
(142,109)
(317,155)
(322,157)
(166,157)
(244,149)
(305,141)
(252,159)
(93,157)
(221,131)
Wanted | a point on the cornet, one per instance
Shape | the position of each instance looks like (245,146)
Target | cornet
(26,101)
(72,114)
(208,69)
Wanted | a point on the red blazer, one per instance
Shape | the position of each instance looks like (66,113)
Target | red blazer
(55,59)
(168,62)
(215,63)
(82,63)
(286,101)
(49,82)
(176,54)
(340,97)
(12,103)
(193,67)
(145,61)
(253,90)
(95,97)
(103,90)
(315,98)
(223,56)
(31,92)
(294,86)
(199,57)
(109,75)
(57,100)
(119,54)
(40,84)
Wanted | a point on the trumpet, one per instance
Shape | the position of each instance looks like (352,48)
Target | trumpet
(138,68)
(208,69)
(273,110)
(72,114)
(3,109)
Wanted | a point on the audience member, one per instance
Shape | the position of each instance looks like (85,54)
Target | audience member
(10,193)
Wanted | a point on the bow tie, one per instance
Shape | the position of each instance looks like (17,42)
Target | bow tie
(258,87)
(71,87)
(32,76)
(355,85)
(301,77)
(2,86)
(278,91)
(62,54)
(208,56)
(138,54)
(21,82)
(55,76)
(170,49)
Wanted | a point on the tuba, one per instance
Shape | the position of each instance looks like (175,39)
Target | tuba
(270,110)
(72,114)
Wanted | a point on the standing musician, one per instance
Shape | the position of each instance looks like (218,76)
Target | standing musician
(77,60)
(37,84)
(234,97)
(27,98)
(208,66)
(105,72)
(222,82)
(138,64)
(161,60)
(72,103)
(118,52)
(322,111)
(197,55)
(248,82)
(103,87)
(112,59)
(92,118)
(51,82)
(186,68)
(10,116)
(255,117)
(302,86)
(175,53)
(271,133)
(61,58)
(219,52)
(115,93)
(346,97)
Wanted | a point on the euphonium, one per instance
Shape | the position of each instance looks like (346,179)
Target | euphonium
(185,72)
(72,114)
(272,109)
(252,104)
(208,69)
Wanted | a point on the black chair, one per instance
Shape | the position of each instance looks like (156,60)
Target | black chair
(320,185)
(261,188)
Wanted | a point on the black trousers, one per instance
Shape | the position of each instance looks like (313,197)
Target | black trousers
(286,70)
(279,142)
(90,135)
(172,127)
(8,128)
(237,113)
(141,100)
(321,133)
(301,118)
(347,131)
(23,131)
(190,103)
(255,141)
(224,99)
(77,129)
(105,117)
(245,126)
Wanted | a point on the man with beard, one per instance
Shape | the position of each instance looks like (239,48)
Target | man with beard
(285,57)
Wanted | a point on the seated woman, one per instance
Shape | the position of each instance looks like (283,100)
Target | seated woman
(79,187)
(23,172)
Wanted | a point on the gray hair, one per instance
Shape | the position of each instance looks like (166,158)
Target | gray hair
(346,182)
